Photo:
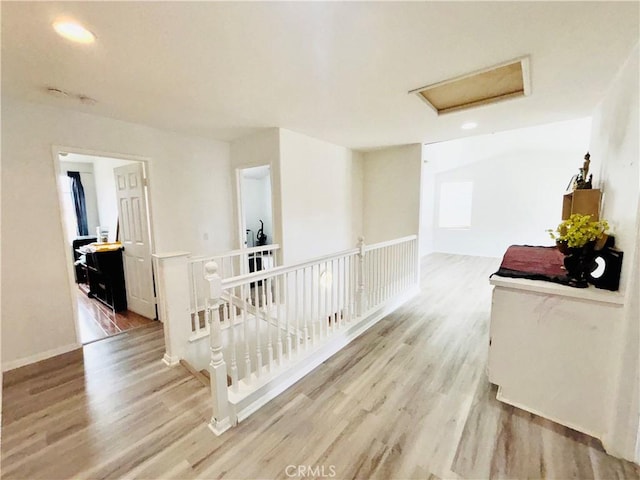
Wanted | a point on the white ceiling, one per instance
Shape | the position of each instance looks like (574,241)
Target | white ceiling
(335,71)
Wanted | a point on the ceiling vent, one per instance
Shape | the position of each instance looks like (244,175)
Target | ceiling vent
(491,85)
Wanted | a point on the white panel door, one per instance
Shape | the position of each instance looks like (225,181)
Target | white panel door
(134,235)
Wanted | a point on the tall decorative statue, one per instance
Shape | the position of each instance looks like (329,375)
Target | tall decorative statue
(584,180)
(585,165)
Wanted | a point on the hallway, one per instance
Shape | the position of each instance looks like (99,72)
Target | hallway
(407,399)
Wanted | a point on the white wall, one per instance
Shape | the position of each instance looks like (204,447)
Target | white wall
(392,192)
(321,189)
(518,177)
(87,177)
(190,197)
(615,149)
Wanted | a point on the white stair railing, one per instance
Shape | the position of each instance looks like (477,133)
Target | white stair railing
(220,419)
(283,322)
(230,264)
(182,292)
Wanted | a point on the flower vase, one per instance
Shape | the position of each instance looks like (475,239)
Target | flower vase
(578,261)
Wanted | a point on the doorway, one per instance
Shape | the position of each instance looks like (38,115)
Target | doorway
(255,210)
(105,214)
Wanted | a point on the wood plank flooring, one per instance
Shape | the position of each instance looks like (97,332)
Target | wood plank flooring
(97,321)
(408,399)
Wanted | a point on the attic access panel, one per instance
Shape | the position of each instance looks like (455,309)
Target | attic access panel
(494,84)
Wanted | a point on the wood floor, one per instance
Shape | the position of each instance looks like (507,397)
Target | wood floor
(408,399)
(97,321)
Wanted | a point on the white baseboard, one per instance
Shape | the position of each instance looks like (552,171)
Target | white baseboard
(38,357)
(170,361)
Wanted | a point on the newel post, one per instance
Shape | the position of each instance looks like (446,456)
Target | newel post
(220,421)
(361,286)
(172,281)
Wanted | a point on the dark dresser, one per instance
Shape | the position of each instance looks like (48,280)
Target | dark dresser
(105,274)
(80,269)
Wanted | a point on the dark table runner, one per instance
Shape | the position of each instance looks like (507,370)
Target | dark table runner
(536,263)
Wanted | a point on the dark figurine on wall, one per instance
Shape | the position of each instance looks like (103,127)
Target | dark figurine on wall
(262,237)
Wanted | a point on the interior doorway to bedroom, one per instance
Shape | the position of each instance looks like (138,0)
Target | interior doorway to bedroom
(105,214)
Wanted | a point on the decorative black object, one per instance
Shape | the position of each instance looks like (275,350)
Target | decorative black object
(597,263)
(578,261)
(261,237)
(604,269)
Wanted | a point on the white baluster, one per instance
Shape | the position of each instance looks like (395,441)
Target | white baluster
(296,315)
(195,318)
(395,269)
(267,284)
(401,255)
(233,367)
(336,302)
(417,260)
(361,285)
(353,287)
(384,273)
(322,296)
(220,419)
(314,295)
(306,312)
(247,354)
(287,311)
(405,255)
(280,323)
(348,288)
(387,254)
(207,313)
(334,296)
(256,297)
(405,265)
(374,275)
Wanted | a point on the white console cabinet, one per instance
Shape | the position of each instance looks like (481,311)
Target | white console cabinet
(551,352)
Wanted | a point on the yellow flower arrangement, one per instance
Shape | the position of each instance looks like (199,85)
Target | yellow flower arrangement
(578,230)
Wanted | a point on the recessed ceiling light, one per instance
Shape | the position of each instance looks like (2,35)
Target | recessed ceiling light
(469,125)
(74,31)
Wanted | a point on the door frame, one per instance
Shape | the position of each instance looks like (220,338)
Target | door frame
(241,221)
(56,150)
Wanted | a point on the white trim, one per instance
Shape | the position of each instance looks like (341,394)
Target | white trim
(171,254)
(538,286)
(170,361)
(389,243)
(242,226)
(38,357)
(56,150)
